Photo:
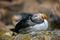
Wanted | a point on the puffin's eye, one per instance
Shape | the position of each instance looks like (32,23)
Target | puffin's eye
(35,16)
(17,20)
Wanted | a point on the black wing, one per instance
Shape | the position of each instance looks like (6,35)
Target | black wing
(22,24)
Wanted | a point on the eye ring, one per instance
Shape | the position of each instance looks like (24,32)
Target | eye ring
(35,16)
(16,20)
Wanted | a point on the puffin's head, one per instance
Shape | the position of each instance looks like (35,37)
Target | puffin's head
(39,17)
(16,19)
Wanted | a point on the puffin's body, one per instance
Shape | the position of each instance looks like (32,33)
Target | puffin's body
(34,22)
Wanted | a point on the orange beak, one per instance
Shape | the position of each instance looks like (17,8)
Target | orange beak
(13,18)
(44,16)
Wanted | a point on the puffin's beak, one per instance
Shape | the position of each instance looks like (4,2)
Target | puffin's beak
(44,16)
(13,18)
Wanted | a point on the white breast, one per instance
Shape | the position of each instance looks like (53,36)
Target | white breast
(42,26)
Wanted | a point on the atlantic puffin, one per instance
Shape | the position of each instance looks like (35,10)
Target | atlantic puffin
(37,21)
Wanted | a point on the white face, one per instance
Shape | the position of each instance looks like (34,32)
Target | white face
(17,19)
(37,17)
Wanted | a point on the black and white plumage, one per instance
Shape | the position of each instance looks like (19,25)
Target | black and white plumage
(20,16)
(21,21)
(32,21)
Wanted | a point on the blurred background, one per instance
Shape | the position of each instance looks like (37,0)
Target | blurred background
(8,8)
